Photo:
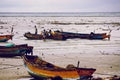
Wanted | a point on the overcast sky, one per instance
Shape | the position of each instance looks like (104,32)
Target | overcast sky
(59,5)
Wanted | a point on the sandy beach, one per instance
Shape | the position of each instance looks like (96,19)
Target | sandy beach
(106,65)
(104,55)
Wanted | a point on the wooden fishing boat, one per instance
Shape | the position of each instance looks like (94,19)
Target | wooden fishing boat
(15,50)
(4,38)
(41,69)
(98,36)
(31,36)
(54,36)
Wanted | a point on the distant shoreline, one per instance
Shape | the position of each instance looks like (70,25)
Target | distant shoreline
(59,14)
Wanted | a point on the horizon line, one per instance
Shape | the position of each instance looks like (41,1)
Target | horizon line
(59,12)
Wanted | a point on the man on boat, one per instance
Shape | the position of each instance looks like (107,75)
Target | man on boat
(44,34)
(50,33)
(91,35)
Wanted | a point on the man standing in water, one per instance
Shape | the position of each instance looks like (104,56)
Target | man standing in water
(36,30)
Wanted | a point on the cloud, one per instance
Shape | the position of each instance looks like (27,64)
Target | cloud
(59,5)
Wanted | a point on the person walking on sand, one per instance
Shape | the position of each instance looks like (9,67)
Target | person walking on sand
(36,30)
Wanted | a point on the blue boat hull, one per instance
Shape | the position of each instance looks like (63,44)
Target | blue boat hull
(98,36)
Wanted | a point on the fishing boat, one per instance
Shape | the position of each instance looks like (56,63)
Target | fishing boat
(32,36)
(44,35)
(54,36)
(92,35)
(5,38)
(43,70)
(15,50)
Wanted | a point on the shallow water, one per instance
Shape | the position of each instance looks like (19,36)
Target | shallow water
(83,46)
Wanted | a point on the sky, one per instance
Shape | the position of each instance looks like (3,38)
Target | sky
(59,5)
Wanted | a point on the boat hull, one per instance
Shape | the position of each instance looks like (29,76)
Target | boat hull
(31,36)
(97,36)
(5,38)
(11,54)
(53,71)
(15,50)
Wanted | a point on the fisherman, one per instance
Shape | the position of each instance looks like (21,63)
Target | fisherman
(11,30)
(36,30)
(49,33)
(91,35)
(78,64)
(44,34)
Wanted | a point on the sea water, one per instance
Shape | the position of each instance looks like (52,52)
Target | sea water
(25,22)
(62,14)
